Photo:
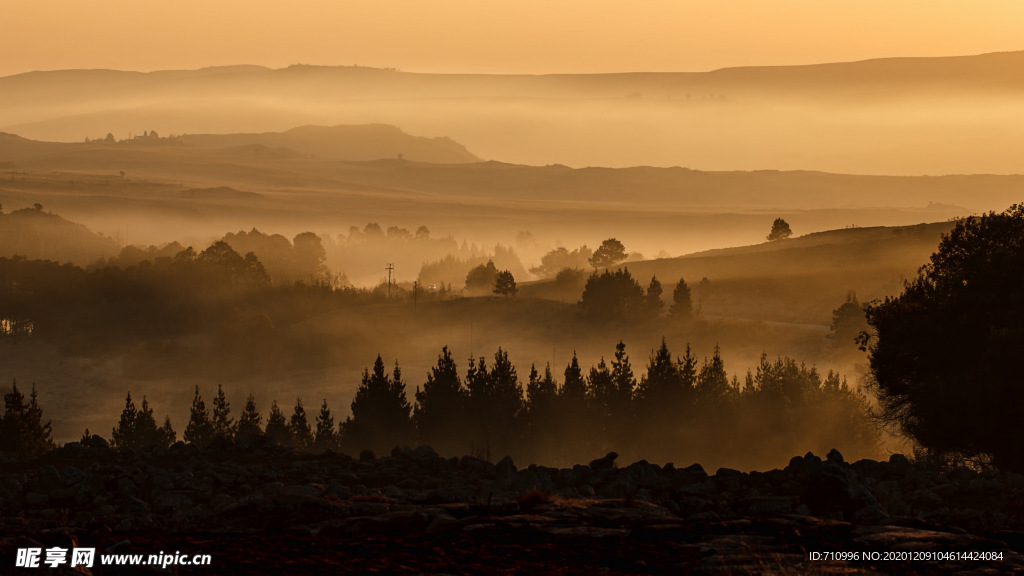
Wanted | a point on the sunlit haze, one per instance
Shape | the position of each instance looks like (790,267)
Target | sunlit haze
(528,36)
(548,230)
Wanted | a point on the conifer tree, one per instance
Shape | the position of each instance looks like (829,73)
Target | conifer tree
(505,284)
(250,423)
(326,438)
(223,423)
(662,384)
(496,398)
(441,411)
(713,381)
(277,427)
(40,435)
(200,428)
(652,299)
(21,428)
(682,302)
(622,375)
(168,433)
(601,388)
(574,424)
(146,431)
(381,414)
(540,392)
(301,433)
(123,436)
(574,387)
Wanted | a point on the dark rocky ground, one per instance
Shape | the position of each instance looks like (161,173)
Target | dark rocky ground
(262,508)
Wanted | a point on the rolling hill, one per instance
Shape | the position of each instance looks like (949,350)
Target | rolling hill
(906,116)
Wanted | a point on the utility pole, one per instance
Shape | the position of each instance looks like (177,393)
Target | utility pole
(415,287)
(389,268)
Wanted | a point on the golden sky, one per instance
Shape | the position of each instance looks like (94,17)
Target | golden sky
(495,36)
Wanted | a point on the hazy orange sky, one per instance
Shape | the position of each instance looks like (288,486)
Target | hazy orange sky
(521,36)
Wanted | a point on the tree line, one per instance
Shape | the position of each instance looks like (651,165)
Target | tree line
(680,408)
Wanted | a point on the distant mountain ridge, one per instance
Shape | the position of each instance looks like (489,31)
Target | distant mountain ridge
(896,116)
(1000,70)
(348,143)
(353,143)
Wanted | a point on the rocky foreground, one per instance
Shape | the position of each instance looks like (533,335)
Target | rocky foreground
(262,508)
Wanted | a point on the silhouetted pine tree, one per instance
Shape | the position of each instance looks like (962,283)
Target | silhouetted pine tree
(277,426)
(381,414)
(302,434)
(712,381)
(123,436)
(326,438)
(168,433)
(542,412)
(574,387)
(223,423)
(21,428)
(667,388)
(682,303)
(146,431)
(250,423)
(624,381)
(200,428)
(652,300)
(496,399)
(574,424)
(541,392)
(601,389)
(441,413)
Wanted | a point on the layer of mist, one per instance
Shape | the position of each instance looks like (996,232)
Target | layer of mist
(890,116)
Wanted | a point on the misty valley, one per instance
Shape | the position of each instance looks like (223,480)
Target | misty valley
(282,314)
(272,317)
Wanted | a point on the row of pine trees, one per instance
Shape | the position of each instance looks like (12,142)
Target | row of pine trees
(680,408)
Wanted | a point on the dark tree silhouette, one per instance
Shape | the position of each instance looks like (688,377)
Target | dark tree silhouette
(298,426)
(496,399)
(167,433)
(682,303)
(200,428)
(652,300)
(310,257)
(250,423)
(123,436)
(574,387)
(138,429)
(712,383)
(608,253)
(22,429)
(612,296)
(326,437)
(541,393)
(573,421)
(505,284)
(277,427)
(481,278)
(623,378)
(223,423)
(664,389)
(946,355)
(441,408)
(601,389)
(780,230)
(381,415)
(848,321)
